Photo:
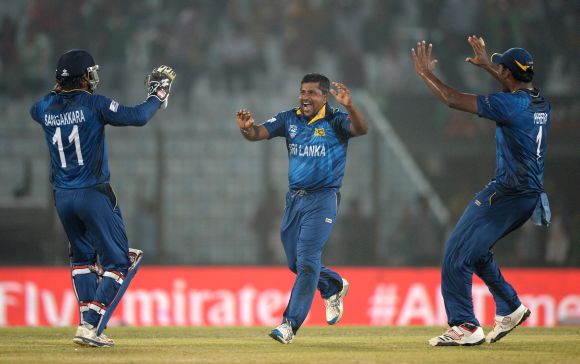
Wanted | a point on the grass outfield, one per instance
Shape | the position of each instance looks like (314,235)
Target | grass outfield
(341,344)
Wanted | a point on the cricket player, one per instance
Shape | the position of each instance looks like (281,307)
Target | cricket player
(317,138)
(73,119)
(516,193)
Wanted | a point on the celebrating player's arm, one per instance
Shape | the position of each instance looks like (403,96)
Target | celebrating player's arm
(158,87)
(359,124)
(247,126)
(424,67)
(480,57)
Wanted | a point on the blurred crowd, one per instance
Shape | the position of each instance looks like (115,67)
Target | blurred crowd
(244,45)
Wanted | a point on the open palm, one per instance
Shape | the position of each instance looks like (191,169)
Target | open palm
(480,57)
(342,94)
(422,58)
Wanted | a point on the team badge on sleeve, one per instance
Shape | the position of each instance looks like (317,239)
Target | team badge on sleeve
(114,106)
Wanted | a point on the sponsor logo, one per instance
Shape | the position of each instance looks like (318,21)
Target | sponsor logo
(328,220)
(524,68)
(319,132)
(292,131)
(36,296)
(64,73)
(114,106)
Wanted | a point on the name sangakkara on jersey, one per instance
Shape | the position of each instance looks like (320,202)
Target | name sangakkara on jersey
(307,150)
(67,118)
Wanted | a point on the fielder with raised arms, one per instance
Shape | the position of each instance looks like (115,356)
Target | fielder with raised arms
(522,118)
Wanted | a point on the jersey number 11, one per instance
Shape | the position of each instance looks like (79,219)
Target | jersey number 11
(74,136)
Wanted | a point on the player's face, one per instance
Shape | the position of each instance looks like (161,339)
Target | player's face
(311,98)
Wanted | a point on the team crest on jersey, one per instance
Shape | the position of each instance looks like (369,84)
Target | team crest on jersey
(319,132)
(292,131)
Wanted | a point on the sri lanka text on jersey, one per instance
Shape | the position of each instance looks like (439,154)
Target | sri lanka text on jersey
(67,118)
(307,150)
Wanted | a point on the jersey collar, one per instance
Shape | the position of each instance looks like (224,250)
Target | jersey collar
(320,115)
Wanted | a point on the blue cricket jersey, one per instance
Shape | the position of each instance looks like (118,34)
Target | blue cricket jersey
(522,122)
(316,147)
(74,123)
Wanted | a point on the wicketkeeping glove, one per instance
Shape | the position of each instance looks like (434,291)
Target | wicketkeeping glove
(158,84)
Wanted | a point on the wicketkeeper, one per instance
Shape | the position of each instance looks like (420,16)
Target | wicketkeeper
(73,119)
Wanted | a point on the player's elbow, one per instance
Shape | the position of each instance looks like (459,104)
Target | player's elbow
(463,102)
(447,98)
(452,100)
(362,130)
(141,121)
(452,104)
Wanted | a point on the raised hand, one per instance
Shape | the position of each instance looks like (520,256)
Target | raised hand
(422,58)
(341,94)
(244,119)
(158,84)
(480,58)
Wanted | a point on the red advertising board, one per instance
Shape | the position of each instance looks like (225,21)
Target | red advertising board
(226,296)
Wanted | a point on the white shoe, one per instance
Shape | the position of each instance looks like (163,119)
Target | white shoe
(505,324)
(87,335)
(463,335)
(283,333)
(334,306)
(134,256)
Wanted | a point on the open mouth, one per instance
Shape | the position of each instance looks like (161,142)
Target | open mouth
(306,107)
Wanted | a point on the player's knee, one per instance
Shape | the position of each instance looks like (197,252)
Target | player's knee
(120,264)
(305,269)
(308,267)
(483,260)
(455,265)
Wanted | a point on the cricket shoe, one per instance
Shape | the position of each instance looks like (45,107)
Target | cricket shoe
(87,335)
(334,306)
(463,335)
(505,324)
(283,333)
(134,256)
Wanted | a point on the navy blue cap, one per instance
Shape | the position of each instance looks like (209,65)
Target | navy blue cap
(74,63)
(518,60)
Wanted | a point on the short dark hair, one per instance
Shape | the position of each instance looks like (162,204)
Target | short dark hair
(70,83)
(322,80)
(526,77)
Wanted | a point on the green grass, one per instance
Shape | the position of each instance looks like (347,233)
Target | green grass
(341,344)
